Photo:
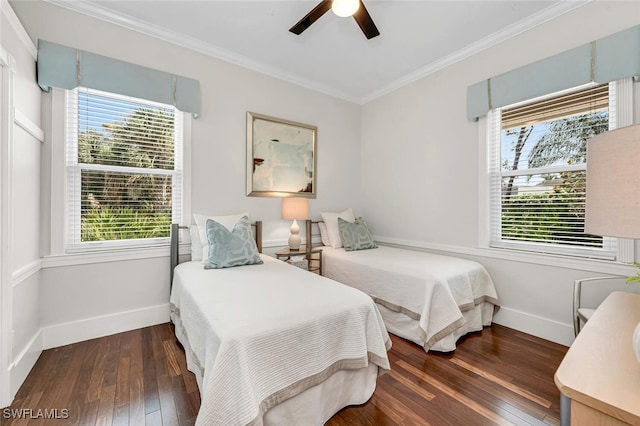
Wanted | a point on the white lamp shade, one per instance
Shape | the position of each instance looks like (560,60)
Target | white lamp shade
(295,208)
(345,8)
(613,183)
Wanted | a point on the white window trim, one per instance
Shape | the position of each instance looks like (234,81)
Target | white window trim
(55,110)
(626,251)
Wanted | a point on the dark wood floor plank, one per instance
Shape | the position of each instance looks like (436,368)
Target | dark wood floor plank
(99,352)
(40,371)
(84,401)
(185,417)
(106,405)
(172,354)
(159,334)
(153,419)
(122,376)
(120,415)
(112,361)
(66,370)
(483,392)
(136,382)
(495,377)
(88,413)
(150,382)
(389,406)
(167,403)
(451,391)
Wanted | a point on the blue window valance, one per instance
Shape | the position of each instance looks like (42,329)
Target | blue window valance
(66,68)
(601,61)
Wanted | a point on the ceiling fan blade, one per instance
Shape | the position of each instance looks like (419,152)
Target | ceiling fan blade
(365,22)
(311,17)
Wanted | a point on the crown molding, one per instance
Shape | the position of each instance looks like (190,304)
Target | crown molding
(513,30)
(98,12)
(191,43)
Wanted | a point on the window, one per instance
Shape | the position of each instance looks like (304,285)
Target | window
(124,170)
(537,171)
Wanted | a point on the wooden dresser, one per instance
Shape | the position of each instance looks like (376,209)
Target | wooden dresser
(599,377)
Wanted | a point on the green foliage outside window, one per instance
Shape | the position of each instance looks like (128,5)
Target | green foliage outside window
(106,223)
(553,216)
(125,204)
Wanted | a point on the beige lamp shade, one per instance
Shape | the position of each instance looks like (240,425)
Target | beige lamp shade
(295,208)
(613,183)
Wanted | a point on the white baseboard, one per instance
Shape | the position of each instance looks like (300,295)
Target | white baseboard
(91,328)
(531,324)
(24,362)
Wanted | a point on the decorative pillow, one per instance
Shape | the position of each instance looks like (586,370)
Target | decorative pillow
(229,221)
(331,222)
(229,249)
(356,235)
(324,234)
(196,244)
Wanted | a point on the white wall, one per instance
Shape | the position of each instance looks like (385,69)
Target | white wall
(408,161)
(20,292)
(421,162)
(86,296)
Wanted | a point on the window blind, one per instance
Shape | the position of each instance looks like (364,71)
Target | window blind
(124,170)
(574,103)
(538,172)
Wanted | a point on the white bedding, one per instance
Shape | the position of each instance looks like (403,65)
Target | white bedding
(260,334)
(427,298)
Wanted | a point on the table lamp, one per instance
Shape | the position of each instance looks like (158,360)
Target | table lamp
(295,208)
(613,189)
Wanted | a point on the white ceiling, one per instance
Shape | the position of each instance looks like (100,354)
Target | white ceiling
(332,56)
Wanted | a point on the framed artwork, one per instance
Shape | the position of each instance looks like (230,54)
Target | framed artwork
(281,157)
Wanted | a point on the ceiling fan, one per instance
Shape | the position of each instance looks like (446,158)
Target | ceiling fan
(353,8)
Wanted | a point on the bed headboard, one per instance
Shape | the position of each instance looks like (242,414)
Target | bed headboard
(175,243)
(309,232)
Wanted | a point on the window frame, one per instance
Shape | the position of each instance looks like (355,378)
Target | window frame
(495,174)
(73,171)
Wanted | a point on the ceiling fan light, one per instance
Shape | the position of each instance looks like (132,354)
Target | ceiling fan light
(345,8)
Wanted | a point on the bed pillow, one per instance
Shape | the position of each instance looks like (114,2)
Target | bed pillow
(231,248)
(331,222)
(228,221)
(196,244)
(355,235)
(324,234)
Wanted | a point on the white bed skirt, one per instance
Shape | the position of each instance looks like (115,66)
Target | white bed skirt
(318,404)
(429,299)
(314,406)
(401,325)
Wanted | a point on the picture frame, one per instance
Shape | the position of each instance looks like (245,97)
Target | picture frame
(281,157)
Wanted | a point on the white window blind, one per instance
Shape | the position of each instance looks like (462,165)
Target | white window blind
(537,172)
(124,170)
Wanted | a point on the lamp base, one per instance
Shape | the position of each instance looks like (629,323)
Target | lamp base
(294,238)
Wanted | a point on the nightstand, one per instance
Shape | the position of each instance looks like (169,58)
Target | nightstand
(599,377)
(313,257)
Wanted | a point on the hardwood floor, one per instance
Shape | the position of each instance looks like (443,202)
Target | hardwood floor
(496,377)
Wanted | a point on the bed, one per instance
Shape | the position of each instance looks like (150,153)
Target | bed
(270,343)
(429,299)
